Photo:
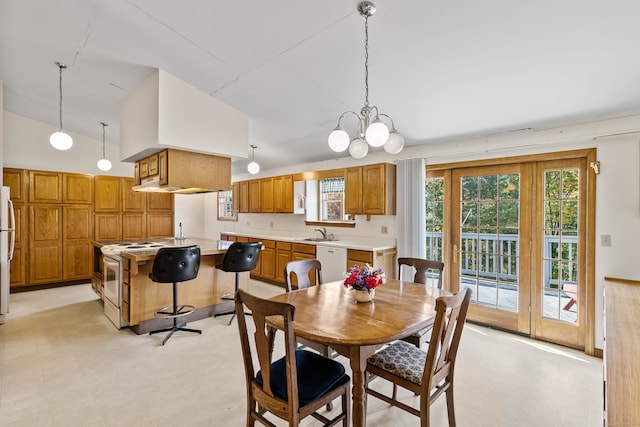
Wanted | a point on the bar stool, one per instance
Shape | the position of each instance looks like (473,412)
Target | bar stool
(241,256)
(173,265)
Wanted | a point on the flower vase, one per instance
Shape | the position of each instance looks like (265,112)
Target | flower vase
(365,296)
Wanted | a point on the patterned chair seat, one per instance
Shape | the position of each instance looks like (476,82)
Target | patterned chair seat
(402,359)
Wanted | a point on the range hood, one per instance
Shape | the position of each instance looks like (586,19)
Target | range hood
(181,139)
(182,172)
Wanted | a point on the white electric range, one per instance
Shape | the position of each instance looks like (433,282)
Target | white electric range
(112,277)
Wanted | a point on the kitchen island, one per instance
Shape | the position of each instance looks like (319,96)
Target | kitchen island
(142,297)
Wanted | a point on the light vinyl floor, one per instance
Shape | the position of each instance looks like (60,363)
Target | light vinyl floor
(62,363)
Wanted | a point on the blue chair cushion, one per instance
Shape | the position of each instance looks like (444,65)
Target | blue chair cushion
(317,375)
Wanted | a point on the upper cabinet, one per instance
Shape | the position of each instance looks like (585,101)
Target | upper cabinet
(16,180)
(45,187)
(371,189)
(77,188)
(107,194)
(283,193)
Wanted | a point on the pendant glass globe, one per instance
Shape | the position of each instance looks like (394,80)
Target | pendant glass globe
(253,168)
(60,140)
(339,140)
(377,133)
(395,144)
(104,164)
(358,148)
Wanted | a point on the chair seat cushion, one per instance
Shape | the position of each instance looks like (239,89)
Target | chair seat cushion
(402,359)
(317,375)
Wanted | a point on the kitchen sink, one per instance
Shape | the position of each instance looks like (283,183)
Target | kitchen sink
(319,239)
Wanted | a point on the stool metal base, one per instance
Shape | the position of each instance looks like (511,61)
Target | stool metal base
(172,330)
(176,312)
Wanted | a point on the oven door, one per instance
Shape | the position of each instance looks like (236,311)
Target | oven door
(111,275)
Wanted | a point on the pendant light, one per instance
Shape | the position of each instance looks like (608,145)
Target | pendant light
(253,167)
(61,140)
(372,131)
(104,164)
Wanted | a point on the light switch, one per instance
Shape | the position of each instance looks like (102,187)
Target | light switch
(605,240)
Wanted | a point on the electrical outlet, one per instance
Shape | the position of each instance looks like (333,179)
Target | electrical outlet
(271,224)
(383,229)
(605,240)
(248,223)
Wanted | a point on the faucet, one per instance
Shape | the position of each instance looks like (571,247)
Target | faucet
(180,235)
(323,231)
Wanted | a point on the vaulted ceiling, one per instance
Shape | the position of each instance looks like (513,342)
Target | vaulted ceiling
(441,69)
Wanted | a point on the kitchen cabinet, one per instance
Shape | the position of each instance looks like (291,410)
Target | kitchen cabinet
(45,244)
(107,194)
(243,206)
(134,226)
(353,191)
(107,227)
(16,180)
(18,267)
(371,189)
(266,195)
(254,196)
(235,197)
(77,188)
(45,187)
(283,193)
(159,202)
(384,259)
(77,248)
(268,260)
(131,201)
(160,224)
(283,257)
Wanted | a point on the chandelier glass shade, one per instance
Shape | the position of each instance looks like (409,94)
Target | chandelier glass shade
(61,140)
(253,167)
(372,130)
(104,164)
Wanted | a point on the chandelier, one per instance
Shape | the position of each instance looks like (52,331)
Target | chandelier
(372,131)
(60,140)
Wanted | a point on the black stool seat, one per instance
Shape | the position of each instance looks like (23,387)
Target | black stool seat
(240,257)
(173,265)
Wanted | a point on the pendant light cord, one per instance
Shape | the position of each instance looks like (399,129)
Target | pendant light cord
(61,66)
(104,156)
(366,61)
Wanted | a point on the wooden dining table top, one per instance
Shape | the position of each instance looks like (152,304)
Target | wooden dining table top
(330,314)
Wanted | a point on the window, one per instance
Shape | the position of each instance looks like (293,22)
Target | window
(332,199)
(434,217)
(225,206)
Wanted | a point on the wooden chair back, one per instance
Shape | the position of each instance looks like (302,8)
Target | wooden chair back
(261,396)
(423,267)
(300,270)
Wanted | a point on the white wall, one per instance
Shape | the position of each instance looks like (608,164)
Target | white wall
(617,187)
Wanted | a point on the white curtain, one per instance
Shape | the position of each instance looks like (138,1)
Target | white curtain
(410,208)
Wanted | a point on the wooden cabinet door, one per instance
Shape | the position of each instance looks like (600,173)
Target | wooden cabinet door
(45,187)
(107,227)
(134,226)
(283,194)
(359,257)
(159,202)
(244,197)
(266,195)
(353,191)
(45,244)
(268,260)
(254,196)
(77,188)
(132,201)
(77,249)
(283,257)
(143,168)
(235,197)
(107,194)
(379,189)
(18,267)
(16,180)
(160,224)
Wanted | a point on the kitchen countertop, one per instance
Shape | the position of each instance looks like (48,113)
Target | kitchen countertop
(207,246)
(361,243)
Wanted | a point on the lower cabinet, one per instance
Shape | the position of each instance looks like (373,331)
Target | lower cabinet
(283,257)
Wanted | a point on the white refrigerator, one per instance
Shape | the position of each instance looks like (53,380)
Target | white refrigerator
(7,242)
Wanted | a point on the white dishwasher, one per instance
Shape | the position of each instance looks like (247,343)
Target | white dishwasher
(334,262)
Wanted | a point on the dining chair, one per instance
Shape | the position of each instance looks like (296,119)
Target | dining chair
(425,269)
(294,386)
(428,374)
(300,272)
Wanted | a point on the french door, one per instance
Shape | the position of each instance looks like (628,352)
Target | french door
(519,240)
(491,207)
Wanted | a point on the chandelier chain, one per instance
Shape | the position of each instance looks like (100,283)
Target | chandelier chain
(366,61)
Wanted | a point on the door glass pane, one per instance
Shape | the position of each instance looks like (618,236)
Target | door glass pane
(560,254)
(434,217)
(489,226)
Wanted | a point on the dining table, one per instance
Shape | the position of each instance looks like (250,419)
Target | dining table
(329,314)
